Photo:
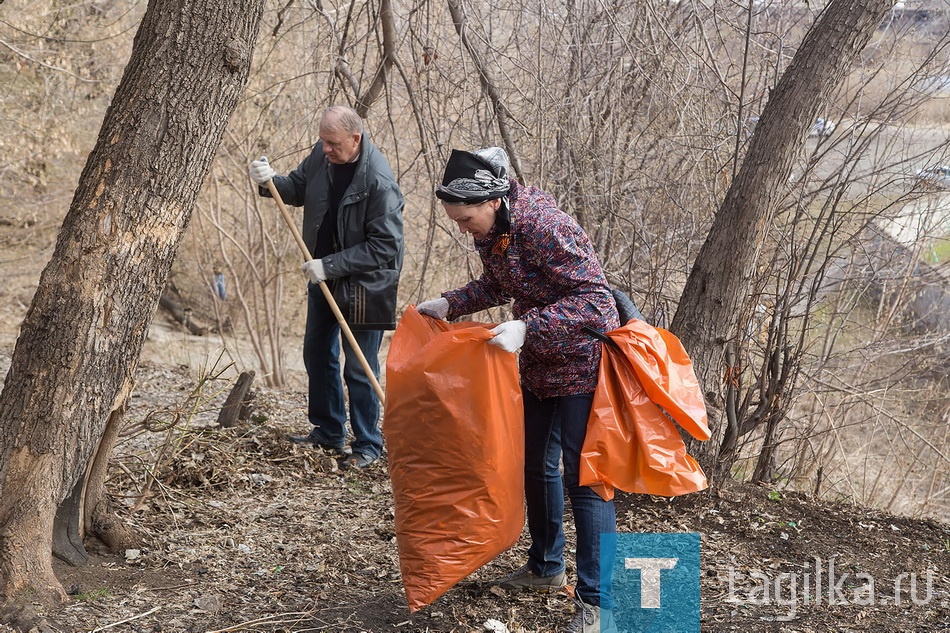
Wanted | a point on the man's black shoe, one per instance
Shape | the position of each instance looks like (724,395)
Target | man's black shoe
(357,461)
(312,441)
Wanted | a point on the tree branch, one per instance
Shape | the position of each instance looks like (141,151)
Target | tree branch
(502,114)
(387,21)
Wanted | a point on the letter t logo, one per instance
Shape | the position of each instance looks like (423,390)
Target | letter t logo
(649,578)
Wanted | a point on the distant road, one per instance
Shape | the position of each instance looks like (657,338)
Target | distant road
(887,162)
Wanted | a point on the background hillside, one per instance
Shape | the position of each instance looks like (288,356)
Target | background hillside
(244,531)
(636,117)
(637,130)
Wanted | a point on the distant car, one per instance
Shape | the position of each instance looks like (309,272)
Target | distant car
(822,127)
(936,176)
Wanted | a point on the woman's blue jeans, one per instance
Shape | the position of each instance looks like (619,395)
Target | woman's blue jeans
(556,427)
(326,405)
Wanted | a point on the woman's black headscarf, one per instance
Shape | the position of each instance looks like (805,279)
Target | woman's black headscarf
(475,177)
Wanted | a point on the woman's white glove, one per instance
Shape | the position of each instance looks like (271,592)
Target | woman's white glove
(261,171)
(509,336)
(314,270)
(438,308)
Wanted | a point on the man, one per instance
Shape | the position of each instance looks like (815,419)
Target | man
(352,224)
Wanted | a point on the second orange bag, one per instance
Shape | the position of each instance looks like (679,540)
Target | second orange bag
(631,444)
(454,428)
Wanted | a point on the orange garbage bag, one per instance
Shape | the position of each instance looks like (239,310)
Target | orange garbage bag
(454,428)
(646,378)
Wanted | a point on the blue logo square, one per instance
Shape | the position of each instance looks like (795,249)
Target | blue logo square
(655,581)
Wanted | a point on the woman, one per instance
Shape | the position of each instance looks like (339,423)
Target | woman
(539,257)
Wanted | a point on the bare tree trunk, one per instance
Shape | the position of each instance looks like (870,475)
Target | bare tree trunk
(181,315)
(722,275)
(81,338)
(98,518)
(387,21)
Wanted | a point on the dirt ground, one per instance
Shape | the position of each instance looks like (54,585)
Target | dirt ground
(243,531)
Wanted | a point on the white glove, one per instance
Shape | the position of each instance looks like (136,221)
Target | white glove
(438,308)
(509,336)
(314,270)
(261,171)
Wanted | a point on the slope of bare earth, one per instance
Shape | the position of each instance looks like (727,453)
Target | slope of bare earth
(243,531)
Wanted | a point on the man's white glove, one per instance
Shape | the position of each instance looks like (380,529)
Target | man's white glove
(314,270)
(438,308)
(261,171)
(509,336)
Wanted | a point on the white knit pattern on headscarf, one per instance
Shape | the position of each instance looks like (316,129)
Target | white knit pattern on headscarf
(497,158)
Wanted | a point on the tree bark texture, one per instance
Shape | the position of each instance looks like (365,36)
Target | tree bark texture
(97,516)
(722,275)
(234,405)
(387,21)
(81,338)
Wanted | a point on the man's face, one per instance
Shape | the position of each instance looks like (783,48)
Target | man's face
(477,219)
(340,147)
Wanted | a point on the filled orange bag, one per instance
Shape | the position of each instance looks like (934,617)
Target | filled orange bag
(631,444)
(454,428)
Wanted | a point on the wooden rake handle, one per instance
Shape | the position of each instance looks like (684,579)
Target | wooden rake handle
(326,292)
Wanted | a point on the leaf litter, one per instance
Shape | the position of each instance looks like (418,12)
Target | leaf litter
(242,530)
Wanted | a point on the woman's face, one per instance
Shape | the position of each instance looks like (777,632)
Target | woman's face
(476,219)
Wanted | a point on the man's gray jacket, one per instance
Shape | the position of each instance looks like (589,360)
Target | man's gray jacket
(363,272)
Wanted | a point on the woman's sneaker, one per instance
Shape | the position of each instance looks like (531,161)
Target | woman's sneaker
(524,578)
(590,619)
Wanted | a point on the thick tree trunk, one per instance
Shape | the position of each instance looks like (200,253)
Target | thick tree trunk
(81,338)
(707,316)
